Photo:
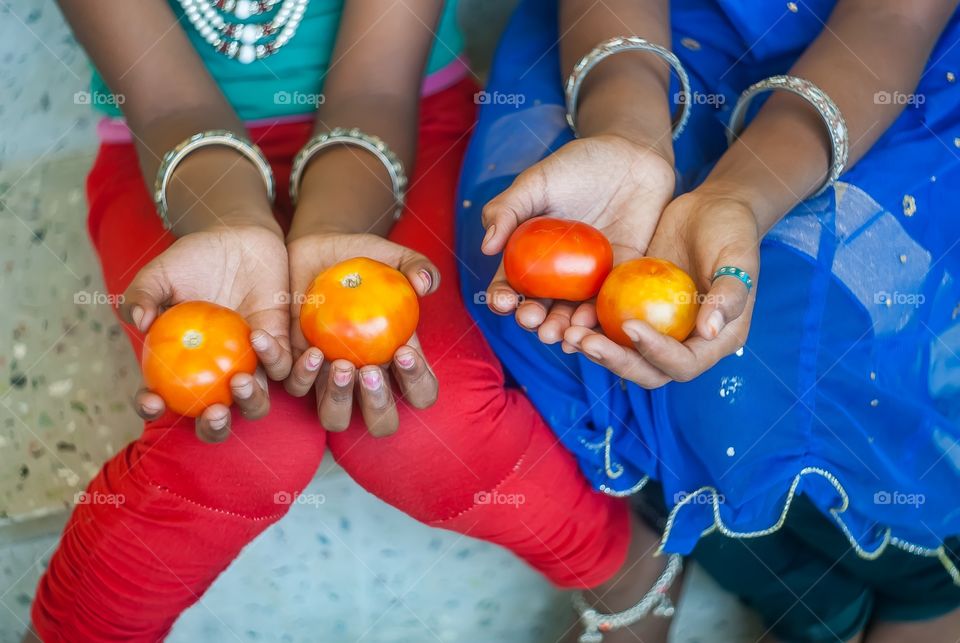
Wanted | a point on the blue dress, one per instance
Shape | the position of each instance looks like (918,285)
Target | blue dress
(848,389)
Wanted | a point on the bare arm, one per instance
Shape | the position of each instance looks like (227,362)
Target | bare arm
(144,55)
(373,84)
(784,154)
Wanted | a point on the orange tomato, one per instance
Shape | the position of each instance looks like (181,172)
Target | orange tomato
(359,310)
(557,259)
(190,353)
(653,290)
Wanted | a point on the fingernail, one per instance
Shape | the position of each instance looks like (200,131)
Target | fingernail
(244,390)
(313,360)
(491,231)
(406,359)
(632,333)
(715,323)
(137,315)
(259,340)
(594,354)
(342,377)
(218,423)
(427,279)
(149,409)
(371,379)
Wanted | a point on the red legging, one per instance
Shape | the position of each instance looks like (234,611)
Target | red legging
(125,571)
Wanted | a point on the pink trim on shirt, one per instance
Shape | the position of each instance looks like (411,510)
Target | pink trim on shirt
(115,130)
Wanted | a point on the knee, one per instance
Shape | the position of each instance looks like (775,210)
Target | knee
(256,471)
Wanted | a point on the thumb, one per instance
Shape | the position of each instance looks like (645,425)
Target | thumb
(143,298)
(524,199)
(728,295)
(423,275)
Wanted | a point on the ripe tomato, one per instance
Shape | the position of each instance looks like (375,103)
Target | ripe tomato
(360,310)
(557,259)
(653,290)
(190,353)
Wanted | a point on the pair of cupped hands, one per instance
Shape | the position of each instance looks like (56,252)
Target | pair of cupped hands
(623,189)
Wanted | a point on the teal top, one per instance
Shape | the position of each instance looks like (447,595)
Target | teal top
(289,81)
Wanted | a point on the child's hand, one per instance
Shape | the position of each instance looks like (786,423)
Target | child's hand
(336,382)
(240,267)
(700,231)
(606,181)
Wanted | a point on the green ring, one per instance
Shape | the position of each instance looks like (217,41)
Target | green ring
(737,273)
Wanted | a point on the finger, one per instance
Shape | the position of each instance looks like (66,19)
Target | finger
(213,425)
(683,362)
(525,198)
(335,396)
(304,373)
(417,381)
(556,323)
(585,315)
(728,295)
(144,297)
(621,361)
(501,297)
(420,271)
(250,394)
(275,358)
(531,312)
(148,405)
(376,402)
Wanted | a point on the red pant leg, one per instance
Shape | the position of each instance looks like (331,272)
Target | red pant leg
(168,513)
(481,461)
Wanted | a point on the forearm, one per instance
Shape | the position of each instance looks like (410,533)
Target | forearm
(867,47)
(626,94)
(374,85)
(144,56)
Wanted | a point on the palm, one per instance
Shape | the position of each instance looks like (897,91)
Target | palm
(243,268)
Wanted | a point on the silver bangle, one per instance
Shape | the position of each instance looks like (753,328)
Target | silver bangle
(343,136)
(174,157)
(828,110)
(616,45)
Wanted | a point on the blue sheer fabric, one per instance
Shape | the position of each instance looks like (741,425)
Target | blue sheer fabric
(848,389)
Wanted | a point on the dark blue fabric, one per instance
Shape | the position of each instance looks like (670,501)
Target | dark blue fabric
(837,394)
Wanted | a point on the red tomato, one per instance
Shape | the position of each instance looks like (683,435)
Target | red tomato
(190,353)
(360,310)
(653,290)
(557,259)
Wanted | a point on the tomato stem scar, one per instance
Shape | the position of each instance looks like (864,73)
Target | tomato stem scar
(192,339)
(351,281)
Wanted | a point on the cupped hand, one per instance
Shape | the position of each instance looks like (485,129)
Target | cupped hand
(240,267)
(615,185)
(337,383)
(701,232)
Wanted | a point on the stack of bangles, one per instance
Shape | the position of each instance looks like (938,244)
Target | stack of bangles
(337,136)
(826,108)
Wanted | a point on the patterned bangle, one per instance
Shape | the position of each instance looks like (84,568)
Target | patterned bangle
(343,136)
(174,157)
(828,110)
(614,46)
